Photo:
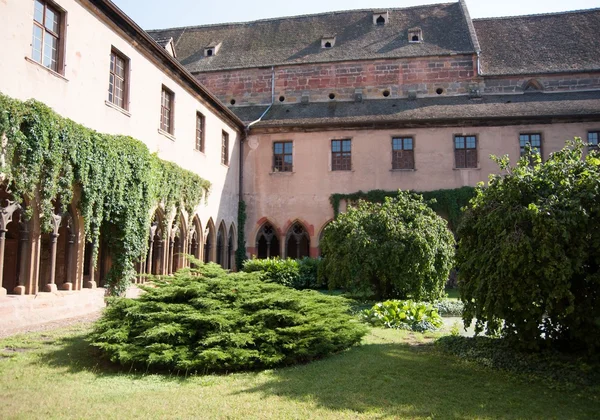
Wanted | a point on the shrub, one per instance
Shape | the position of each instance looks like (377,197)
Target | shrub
(193,323)
(398,248)
(449,307)
(529,253)
(299,274)
(403,314)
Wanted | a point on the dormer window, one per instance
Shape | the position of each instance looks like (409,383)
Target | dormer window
(380,18)
(415,35)
(212,49)
(328,41)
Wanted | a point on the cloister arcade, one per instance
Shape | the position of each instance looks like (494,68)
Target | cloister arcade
(33,261)
(293,242)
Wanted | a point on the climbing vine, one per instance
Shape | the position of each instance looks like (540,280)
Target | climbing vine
(445,202)
(50,162)
(240,253)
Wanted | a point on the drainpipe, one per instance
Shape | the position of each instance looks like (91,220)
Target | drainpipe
(478,52)
(272,100)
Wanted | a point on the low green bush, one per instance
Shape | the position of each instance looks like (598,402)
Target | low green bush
(403,314)
(299,274)
(555,368)
(449,307)
(205,320)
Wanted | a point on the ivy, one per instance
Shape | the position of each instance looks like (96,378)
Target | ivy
(114,180)
(445,202)
(240,253)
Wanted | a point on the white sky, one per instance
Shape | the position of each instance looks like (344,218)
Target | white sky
(154,14)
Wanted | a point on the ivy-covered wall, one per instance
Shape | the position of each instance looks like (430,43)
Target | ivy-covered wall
(447,203)
(46,156)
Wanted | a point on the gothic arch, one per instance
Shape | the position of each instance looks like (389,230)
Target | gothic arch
(222,245)
(195,238)
(155,260)
(210,239)
(297,241)
(267,241)
(15,234)
(231,247)
(321,233)
(177,240)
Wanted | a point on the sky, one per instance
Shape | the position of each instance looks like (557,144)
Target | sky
(155,14)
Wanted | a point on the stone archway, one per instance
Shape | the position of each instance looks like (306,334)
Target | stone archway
(209,242)
(11,239)
(195,241)
(231,248)
(177,240)
(297,241)
(267,241)
(221,246)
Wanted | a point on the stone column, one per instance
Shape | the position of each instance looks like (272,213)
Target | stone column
(6,214)
(68,285)
(21,289)
(170,257)
(91,284)
(51,286)
(160,263)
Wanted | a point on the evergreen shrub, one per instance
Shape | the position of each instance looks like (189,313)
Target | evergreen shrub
(226,322)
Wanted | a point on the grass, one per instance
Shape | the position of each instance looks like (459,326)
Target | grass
(453,293)
(393,374)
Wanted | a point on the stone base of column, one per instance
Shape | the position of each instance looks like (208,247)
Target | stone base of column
(3,291)
(90,284)
(20,290)
(66,286)
(50,288)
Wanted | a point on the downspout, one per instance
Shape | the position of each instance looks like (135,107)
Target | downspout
(272,100)
(478,52)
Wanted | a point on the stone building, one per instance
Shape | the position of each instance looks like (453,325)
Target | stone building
(414,98)
(93,64)
(283,113)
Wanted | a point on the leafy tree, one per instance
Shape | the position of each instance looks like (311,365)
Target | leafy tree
(529,251)
(205,320)
(398,248)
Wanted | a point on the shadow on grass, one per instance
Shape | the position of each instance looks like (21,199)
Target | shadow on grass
(408,381)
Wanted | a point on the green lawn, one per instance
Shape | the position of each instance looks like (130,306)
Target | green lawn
(391,375)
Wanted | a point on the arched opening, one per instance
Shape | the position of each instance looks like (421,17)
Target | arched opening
(14,234)
(297,242)
(155,255)
(231,248)
(176,241)
(380,20)
(209,235)
(195,239)
(415,38)
(221,249)
(321,235)
(267,242)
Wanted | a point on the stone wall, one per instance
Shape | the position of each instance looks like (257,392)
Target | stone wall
(564,82)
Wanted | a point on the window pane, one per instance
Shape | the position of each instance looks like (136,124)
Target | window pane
(288,158)
(51,22)
(535,140)
(278,148)
(120,67)
(471,142)
(396,144)
(336,146)
(346,146)
(37,44)
(593,138)
(288,147)
(523,140)
(38,12)
(50,59)
(111,88)
(459,142)
(408,143)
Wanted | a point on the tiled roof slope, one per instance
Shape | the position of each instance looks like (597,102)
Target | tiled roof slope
(424,110)
(540,43)
(294,40)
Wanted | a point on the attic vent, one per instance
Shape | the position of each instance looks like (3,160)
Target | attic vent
(415,35)
(532,85)
(327,41)
(380,18)
(212,49)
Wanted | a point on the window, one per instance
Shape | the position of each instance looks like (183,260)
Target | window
(225,149)
(48,24)
(282,156)
(534,140)
(199,132)
(166,110)
(403,155)
(465,152)
(119,80)
(593,140)
(341,155)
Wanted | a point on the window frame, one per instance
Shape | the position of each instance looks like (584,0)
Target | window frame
(595,147)
(118,54)
(529,134)
(170,129)
(339,162)
(284,167)
(200,142)
(225,148)
(60,36)
(466,149)
(397,157)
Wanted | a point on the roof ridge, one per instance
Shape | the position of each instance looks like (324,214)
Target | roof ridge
(212,25)
(564,12)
